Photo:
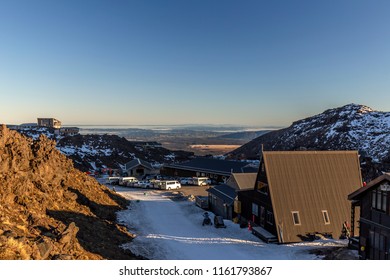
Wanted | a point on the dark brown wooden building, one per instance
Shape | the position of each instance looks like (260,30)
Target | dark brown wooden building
(301,193)
(222,197)
(373,201)
(221,200)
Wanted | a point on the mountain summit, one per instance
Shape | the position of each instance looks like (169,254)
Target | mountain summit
(350,127)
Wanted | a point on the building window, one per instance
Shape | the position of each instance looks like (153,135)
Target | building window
(262,188)
(373,201)
(262,216)
(140,171)
(384,201)
(296,218)
(379,200)
(270,217)
(255,209)
(382,242)
(325,215)
(376,240)
(378,246)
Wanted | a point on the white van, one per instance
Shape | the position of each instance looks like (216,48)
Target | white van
(169,185)
(113,180)
(201,181)
(124,181)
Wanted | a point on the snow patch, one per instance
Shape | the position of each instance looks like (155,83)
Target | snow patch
(167,229)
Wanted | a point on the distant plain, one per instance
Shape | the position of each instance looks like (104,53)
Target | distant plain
(201,140)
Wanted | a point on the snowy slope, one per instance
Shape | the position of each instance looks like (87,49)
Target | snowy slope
(351,127)
(169,229)
(92,152)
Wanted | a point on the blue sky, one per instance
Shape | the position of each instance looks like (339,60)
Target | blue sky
(142,62)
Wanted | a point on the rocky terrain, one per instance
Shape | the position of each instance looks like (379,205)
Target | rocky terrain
(50,210)
(92,152)
(351,127)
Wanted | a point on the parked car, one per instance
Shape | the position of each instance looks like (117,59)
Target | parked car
(113,180)
(124,181)
(201,181)
(169,185)
(144,184)
(186,181)
(132,183)
(151,177)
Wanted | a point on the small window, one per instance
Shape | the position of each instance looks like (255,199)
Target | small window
(326,217)
(262,188)
(270,217)
(255,209)
(384,201)
(376,241)
(378,200)
(296,219)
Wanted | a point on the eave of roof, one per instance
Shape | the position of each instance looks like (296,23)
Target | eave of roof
(245,181)
(220,191)
(358,193)
(218,172)
(137,162)
(219,167)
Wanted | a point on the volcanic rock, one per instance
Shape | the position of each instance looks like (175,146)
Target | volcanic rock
(50,210)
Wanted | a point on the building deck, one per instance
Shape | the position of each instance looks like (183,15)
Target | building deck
(264,235)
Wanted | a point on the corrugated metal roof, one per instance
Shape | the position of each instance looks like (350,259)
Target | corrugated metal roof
(310,182)
(242,181)
(217,166)
(224,192)
(136,162)
(358,193)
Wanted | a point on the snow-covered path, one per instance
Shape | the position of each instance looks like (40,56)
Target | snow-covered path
(169,229)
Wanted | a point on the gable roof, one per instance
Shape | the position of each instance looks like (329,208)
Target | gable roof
(372,184)
(311,182)
(224,192)
(217,166)
(242,181)
(136,162)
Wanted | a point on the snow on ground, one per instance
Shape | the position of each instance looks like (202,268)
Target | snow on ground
(168,227)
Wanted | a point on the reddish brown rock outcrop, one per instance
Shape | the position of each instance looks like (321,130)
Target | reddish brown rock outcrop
(50,210)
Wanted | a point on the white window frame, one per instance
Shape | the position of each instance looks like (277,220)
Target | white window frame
(293,218)
(325,216)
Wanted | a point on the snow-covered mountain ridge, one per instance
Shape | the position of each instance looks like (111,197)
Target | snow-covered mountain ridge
(351,127)
(93,151)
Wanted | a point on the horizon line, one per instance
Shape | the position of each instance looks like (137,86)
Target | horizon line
(181,125)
